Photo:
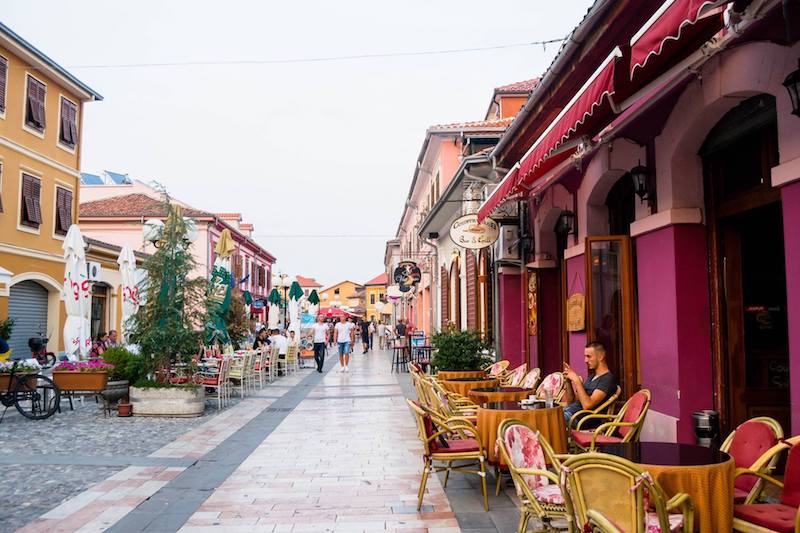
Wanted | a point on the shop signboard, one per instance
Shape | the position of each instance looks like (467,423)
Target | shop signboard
(576,312)
(467,232)
(407,275)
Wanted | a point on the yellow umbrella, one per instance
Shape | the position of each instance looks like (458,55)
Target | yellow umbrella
(225,246)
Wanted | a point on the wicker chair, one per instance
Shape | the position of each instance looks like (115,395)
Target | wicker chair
(439,446)
(600,409)
(531,379)
(292,364)
(216,383)
(555,383)
(614,495)
(622,427)
(238,373)
(747,444)
(272,365)
(526,452)
(260,367)
(496,370)
(513,377)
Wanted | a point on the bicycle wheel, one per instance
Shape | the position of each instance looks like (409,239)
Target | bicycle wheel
(37,399)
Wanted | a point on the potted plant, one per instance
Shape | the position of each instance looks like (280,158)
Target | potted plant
(6,325)
(23,367)
(82,375)
(128,368)
(167,328)
(459,353)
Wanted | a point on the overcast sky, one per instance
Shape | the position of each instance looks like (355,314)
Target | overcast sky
(308,152)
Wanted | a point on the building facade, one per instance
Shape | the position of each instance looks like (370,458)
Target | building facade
(41,118)
(375,298)
(347,295)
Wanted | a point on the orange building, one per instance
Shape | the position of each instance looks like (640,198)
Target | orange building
(375,297)
(344,295)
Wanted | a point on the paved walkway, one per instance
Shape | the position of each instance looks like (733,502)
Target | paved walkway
(311,452)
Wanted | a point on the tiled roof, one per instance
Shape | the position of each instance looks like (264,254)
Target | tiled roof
(132,205)
(229,215)
(380,279)
(475,125)
(307,282)
(518,87)
(245,225)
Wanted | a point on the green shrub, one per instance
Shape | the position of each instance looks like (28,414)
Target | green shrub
(127,366)
(459,350)
(6,326)
(150,384)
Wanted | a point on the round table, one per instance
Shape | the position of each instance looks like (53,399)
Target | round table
(705,474)
(462,386)
(549,422)
(444,375)
(499,394)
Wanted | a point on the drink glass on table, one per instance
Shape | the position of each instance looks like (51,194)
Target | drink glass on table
(548,398)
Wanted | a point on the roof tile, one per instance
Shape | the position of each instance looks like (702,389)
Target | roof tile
(525,86)
(475,125)
(132,205)
(380,279)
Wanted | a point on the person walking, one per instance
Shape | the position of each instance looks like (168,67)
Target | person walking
(342,333)
(320,331)
(381,335)
(364,336)
(371,328)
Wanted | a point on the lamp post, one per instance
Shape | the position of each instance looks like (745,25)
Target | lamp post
(281,281)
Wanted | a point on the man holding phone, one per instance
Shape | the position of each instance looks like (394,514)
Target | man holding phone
(599,385)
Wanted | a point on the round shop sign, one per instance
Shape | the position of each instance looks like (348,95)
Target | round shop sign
(467,232)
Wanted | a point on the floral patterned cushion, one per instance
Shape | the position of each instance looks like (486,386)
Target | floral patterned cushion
(525,451)
(496,368)
(531,379)
(549,494)
(551,382)
(516,375)
(653,526)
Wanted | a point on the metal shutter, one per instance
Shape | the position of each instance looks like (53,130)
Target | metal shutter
(27,305)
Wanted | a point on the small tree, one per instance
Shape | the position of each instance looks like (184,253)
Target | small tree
(167,327)
(459,350)
(236,319)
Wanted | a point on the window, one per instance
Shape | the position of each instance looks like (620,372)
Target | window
(34,107)
(3,83)
(336,292)
(63,210)
(372,299)
(68,130)
(30,211)
(380,296)
(1,187)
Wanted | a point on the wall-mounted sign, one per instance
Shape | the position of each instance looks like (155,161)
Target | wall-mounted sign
(407,275)
(467,232)
(576,312)
(533,312)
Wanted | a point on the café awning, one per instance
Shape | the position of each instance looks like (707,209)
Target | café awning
(591,103)
(676,26)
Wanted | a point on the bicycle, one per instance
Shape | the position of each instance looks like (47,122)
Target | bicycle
(35,396)
(38,346)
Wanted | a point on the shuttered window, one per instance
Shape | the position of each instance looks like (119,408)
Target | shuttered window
(444,281)
(3,82)
(472,290)
(34,109)
(63,210)
(237,268)
(68,132)
(1,187)
(30,210)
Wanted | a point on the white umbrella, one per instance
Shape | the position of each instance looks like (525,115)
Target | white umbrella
(77,295)
(294,316)
(130,289)
(273,316)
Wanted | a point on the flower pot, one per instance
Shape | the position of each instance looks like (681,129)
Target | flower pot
(124,409)
(81,381)
(5,381)
(168,401)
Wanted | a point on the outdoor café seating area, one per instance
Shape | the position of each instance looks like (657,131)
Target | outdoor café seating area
(592,472)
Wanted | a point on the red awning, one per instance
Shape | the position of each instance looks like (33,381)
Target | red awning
(592,101)
(677,25)
(334,312)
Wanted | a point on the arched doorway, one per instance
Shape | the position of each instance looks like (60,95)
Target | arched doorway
(748,272)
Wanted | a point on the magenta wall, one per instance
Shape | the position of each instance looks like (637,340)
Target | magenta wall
(576,282)
(674,322)
(790,197)
(510,318)
(549,321)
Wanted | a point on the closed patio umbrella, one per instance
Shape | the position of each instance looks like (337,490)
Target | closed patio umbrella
(130,289)
(295,293)
(313,303)
(274,314)
(77,295)
(219,297)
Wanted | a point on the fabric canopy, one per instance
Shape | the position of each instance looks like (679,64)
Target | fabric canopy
(676,25)
(594,99)
(130,289)
(77,295)
(334,312)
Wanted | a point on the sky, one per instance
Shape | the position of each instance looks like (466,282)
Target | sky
(318,155)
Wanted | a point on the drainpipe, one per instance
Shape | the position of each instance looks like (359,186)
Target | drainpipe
(434,285)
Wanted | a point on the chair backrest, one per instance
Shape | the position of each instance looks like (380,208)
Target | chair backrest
(749,441)
(497,368)
(291,353)
(516,376)
(615,487)
(554,382)
(424,424)
(634,411)
(791,479)
(530,380)
(523,447)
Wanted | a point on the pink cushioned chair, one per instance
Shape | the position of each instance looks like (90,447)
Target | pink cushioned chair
(625,426)
(554,383)
(747,444)
(783,517)
(531,379)
(514,377)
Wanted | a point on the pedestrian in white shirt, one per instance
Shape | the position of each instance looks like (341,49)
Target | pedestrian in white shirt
(283,345)
(320,330)
(343,336)
(381,334)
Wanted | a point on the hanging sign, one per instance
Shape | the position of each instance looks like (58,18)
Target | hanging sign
(407,275)
(467,232)
(533,314)
(576,312)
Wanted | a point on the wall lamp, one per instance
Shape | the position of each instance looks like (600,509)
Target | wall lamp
(640,175)
(792,84)
(566,223)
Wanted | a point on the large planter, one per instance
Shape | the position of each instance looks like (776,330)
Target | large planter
(168,401)
(5,381)
(80,381)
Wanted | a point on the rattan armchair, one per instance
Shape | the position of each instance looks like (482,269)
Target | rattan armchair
(513,377)
(607,404)
(625,426)
(495,370)
(553,382)
(531,379)
(747,444)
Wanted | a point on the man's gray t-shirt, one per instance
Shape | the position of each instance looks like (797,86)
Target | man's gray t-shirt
(606,383)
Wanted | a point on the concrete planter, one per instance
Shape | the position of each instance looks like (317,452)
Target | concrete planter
(170,401)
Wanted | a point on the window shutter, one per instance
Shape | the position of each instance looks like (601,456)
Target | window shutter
(40,104)
(73,122)
(65,133)
(3,82)
(63,210)
(31,190)
(35,103)
(472,290)
(444,282)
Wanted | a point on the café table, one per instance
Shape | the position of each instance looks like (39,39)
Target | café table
(705,474)
(499,394)
(549,421)
(444,375)
(462,386)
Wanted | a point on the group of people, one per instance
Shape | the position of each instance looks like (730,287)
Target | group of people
(276,337)
(103,341)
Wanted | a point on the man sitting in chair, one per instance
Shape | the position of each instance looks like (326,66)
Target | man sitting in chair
(599,385)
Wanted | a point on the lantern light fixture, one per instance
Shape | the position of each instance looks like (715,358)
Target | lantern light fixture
(792,84)
(566,223)
(640,175)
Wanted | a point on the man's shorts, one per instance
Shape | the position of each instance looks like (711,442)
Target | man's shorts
(344,348)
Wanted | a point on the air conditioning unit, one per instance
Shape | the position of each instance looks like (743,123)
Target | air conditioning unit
(93,271)
(507,246)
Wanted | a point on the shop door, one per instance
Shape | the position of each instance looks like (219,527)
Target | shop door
(27,305)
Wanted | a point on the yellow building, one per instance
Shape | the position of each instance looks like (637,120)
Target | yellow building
(345,294)
(375,298)
(41,114)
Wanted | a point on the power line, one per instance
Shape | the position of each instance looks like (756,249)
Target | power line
(322,59)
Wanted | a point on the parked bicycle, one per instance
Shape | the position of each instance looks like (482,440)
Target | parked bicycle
(35,396)
(38,346)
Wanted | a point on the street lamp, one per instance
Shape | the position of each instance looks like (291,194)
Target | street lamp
(281,281)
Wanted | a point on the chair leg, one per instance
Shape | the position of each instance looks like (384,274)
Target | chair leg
(423,482)
(498,478)
(447,473)
(524,518)
(483,485)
